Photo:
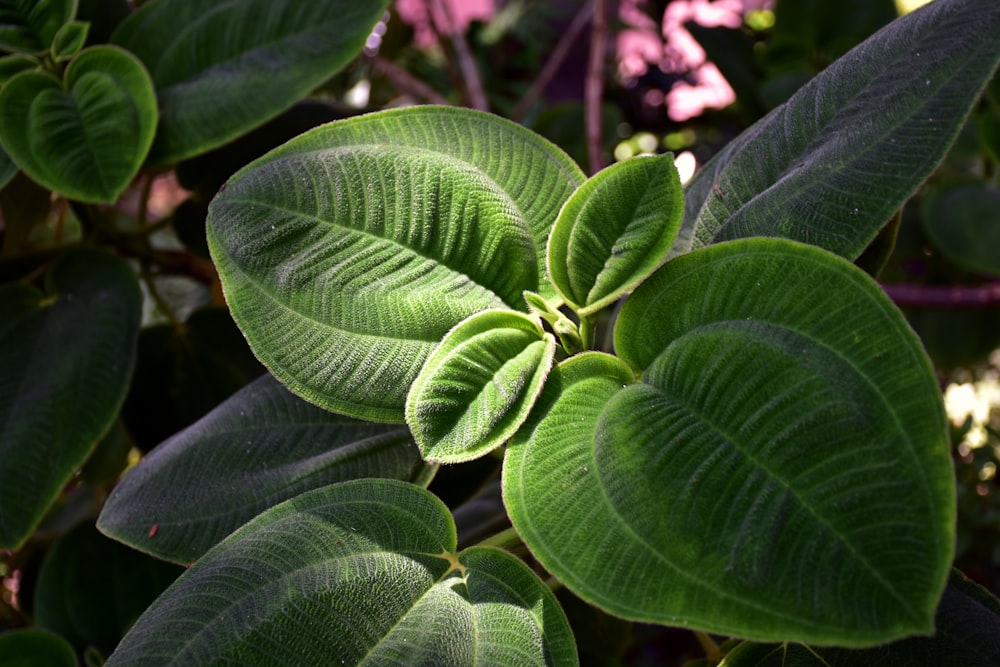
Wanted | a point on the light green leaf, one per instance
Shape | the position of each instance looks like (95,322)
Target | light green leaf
(830,166)
(614,231)
(781,472)
(65,365)
(361,572)
(478,386)
(349,252)
(86,137)
(31,647)
(30,26)
(260,447)
(963,222)
(222,69)
(69,40)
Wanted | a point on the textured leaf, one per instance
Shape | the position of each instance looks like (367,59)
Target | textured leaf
(967,635)
(29,26)
(223,69)
(963,221)
(830,166)
(782,470)
(65,364)
(478,386)
(87,137)
(69,40)
(358,572)
(349,252)
(614,231)
(91,589)
(32,647)
(260,447)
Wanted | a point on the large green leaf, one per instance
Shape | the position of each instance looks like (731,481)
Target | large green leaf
(478,386)
(31,647)
(349,252)
(91,589)
(29,26)
(967,635)
(223,68)
(781,471)
(65,364)
(831,165)
(87,136)
(260,447)
(362,572)
(614,231)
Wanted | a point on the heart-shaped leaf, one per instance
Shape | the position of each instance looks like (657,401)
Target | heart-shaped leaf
(86,137)
(358,572)
(65,364)
(782,470)
(260,447)
(963,221)
(349,252)
(31,27)
(478,386)
(831,165)
(222,70)
(614,231)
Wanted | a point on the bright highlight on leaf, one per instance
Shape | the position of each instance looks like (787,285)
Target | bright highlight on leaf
(614,231)
(358,572)
(478,386)
(782,470)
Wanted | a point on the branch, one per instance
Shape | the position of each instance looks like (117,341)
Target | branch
(944,296)
(555,61)
(470,73)
(405,82)
(594,87)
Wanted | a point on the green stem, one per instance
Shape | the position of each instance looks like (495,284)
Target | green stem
(712,651)
(505,539)
(587,328)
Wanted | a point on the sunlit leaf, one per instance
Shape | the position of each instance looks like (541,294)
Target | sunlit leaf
(358,572)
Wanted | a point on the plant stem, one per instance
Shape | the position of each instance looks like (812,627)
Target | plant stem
(154,293)
(470,73)
(944,296)
(504,539)
(594,87)
(712,652)
(587,329)
(406,82)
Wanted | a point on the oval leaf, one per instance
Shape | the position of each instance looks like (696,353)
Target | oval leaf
(224,69)
(614,231)
(963,221)
(348,253)
(65,365)
(362,571)
(478,386)
(30,27)
(851,160)
(87,137)
(258,448)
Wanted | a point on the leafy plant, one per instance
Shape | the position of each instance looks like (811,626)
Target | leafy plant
(707,415)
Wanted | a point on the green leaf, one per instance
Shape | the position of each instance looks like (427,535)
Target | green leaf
(781,472)
(8,170)
(91,589)
(349,252)
(86,137)
(963,222)
(260,447)
(478,386)
(30,26)
(32,647)
(362,571)
(69,40)
(65,364)
(831,165)
(15,64)
(222,70)
(614,231)
(968,628)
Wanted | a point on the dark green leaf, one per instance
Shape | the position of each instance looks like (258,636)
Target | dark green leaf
(29,26)
(222,70)
(258,448)
(32,647)
(963,222)
(831,165)
(65,364)
(69,40)
(362,571)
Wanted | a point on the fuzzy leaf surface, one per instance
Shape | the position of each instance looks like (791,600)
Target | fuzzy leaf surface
(349,252)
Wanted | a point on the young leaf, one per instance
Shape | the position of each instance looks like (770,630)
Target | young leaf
(781,472)
(362,571)
(30,27)
(69,40)
(87,136)
(222,69)
(260,447)
(831,165)
(614,231)
(65,365)
(349,252)
(478,386)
